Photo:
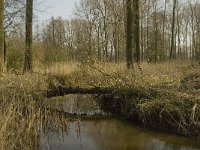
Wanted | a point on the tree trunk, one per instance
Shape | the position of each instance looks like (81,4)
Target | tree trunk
(173,50)
(28,46)
(186,41)
(163,32)
(98,43)
(1,36)
(147,32)
(142,40)
(5,52)
(156,41)
(129,35)
(136,29)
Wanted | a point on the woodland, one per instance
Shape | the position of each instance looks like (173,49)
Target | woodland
(142,58)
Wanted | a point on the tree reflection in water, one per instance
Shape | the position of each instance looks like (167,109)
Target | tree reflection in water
(105,133)
(55,129)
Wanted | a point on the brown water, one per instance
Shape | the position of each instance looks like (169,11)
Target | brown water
(108,133)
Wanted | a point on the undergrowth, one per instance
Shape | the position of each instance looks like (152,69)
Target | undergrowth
(23,114)
(164,95)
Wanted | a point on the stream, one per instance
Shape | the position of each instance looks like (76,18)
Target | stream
(105,132)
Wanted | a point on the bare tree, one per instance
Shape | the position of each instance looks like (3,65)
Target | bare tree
(129,33)
(28,46)
(159,30)
(163,29)
(1,35)
(136,7)
(173,48)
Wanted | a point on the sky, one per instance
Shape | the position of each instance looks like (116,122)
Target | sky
(45,9)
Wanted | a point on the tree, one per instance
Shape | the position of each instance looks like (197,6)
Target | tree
(173,49)
(28,44)
(57,40)
(136,5)
(163,30)
(129,34)
(1,35)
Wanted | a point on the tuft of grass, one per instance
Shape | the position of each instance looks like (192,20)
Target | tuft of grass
(23,112)
(20,104)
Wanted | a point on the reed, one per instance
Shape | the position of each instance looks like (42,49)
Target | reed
(166,93)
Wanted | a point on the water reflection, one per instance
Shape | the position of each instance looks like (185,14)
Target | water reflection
(116,135)
(107,134)
(79,104)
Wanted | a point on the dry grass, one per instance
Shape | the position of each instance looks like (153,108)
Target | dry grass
(109,75)
(164,95)
(21,96)
(23,113)
(57,68)
(19,110)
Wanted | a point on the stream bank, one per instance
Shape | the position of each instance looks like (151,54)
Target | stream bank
(174,109)
(104,131)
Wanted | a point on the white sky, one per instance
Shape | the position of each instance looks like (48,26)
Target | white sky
(45,9)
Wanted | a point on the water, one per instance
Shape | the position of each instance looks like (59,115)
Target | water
(76,104)
(106,133)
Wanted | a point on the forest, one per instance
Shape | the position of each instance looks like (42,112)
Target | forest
(140,59)
(163,30)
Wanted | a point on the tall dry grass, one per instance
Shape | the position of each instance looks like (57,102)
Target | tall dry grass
(20,107)
(24,117)
(22,96)
(109,74)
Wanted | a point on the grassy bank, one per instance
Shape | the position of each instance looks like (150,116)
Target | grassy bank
(164,95)
(171,112)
